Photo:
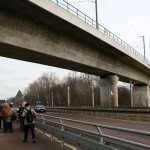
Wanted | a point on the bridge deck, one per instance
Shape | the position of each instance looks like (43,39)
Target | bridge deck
(13,141)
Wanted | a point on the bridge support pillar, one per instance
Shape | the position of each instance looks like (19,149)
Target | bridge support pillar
(109,91)
(141,96)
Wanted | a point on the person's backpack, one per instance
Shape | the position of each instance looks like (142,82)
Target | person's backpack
(29,116)
(13,116)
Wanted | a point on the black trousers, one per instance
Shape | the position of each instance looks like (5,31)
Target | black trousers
(21,124)
(9,126)
(26,131)
(4,125)
(1,119)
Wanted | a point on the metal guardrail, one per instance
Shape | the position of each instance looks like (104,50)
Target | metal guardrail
(141,114)
(129,110)
(65,128)
(87,19)
(44,124)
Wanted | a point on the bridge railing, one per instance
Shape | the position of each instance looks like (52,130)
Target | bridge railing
(87,134)
(89,20)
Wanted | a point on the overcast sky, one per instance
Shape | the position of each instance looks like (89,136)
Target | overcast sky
(128,19)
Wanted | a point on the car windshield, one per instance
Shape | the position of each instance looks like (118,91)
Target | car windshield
(40,106)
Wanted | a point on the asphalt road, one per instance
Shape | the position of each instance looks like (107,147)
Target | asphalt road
(143,126)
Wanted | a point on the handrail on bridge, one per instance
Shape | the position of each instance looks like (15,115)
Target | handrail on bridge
(66,125)
(101,28)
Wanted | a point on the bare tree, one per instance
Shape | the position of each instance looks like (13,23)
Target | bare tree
(31,92)
(49,87)
(124,98)
(40,90)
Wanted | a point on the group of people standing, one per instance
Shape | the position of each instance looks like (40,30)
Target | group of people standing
(6,113)
(5,117)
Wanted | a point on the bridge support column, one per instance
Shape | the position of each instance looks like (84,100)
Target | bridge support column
(141,96)
(109,91)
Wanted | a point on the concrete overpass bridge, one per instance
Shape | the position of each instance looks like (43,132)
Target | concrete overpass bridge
(54,33)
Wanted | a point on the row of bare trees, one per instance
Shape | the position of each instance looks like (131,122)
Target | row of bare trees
(50,90)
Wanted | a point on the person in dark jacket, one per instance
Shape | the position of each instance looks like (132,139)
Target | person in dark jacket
(28,125)
(21,120)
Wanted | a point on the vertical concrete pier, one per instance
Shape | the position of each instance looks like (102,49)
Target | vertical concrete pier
(141,95)
(109,91)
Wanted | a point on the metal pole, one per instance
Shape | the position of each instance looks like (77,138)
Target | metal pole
(93,96)
(100,94)
(52,99)
(96,12)
(68,97)
(143,44)
(131,93)
(109,97)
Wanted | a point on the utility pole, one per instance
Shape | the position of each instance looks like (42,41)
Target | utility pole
(96,11)
(96,14)
(143,44)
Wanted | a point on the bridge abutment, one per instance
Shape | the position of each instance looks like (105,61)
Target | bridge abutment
(109,91)
(141,96)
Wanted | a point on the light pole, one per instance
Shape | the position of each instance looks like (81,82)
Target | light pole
(143,44)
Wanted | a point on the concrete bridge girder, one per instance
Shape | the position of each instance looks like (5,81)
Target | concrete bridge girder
(41,36)
(23,39)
